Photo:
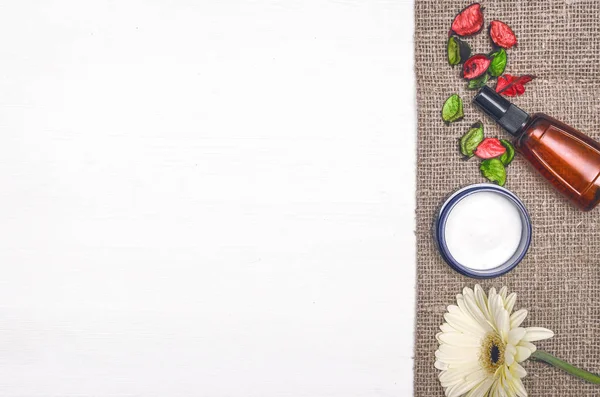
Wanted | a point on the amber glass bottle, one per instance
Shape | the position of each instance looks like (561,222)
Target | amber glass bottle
(568,159)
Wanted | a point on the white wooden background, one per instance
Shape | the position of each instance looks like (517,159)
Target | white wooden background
(206,198)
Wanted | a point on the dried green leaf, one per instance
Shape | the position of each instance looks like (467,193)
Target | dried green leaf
(498,62)
(479,82)
(494,170)
(458,50)
(472,139)
(452,109)
(509,155)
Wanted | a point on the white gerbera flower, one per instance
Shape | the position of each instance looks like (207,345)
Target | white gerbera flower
(482,344)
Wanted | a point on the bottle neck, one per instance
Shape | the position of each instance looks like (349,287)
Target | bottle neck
(513,120)
(508,116)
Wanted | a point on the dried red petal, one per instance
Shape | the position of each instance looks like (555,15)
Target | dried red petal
(490,148)
(475,66)
(512,85)
(504,81)
(469,21)
(502,35)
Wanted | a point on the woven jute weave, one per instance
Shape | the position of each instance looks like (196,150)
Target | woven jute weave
(559,280)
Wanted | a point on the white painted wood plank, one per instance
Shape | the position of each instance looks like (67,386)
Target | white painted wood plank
(206,198)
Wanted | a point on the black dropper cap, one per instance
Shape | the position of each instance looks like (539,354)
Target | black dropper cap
(508,116)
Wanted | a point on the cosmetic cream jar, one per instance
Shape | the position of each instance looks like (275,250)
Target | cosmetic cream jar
(483,231)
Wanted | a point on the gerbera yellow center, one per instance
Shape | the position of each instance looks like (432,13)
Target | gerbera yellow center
(492,353)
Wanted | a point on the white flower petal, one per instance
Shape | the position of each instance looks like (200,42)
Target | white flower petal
(456,355)
(528,345)
(494,388)
(475,311)
(459,339)
(491,293)
(464,368)
(509,302)
(478,375)
(517,318)
(464,324)
(467,290)
(523,354)
(503,324)
(517,370)
(460,301)
(506,386)
(482,301)
(453,309)
(515,335)
(481,389)
(509,354)
(537,333)
(442,366)
(478,304)
(507,375)
(449,377)
(519,388)
(446,328)
(501,392)
(503,291)
(493,311)
(450,383)
(509,358)
(511,349)
(459,351)
(459,374)
(460,388)
(496,308)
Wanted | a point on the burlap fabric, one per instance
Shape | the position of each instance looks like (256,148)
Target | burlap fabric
(559,280)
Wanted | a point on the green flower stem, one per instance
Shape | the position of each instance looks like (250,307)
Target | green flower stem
(580,373)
